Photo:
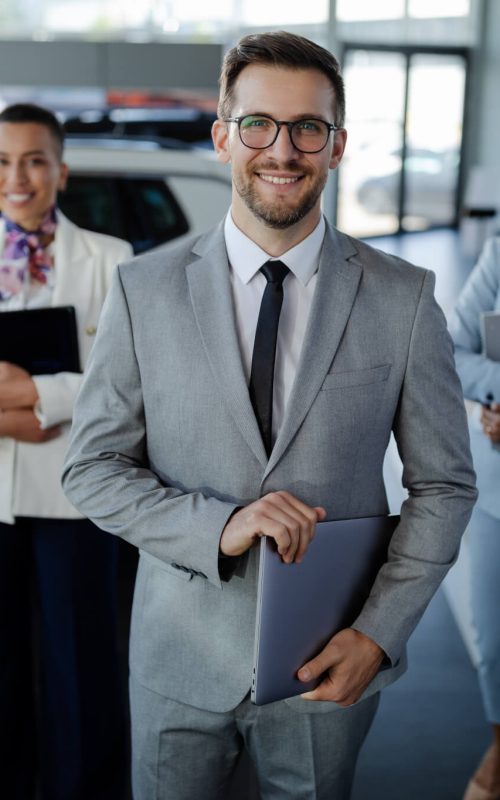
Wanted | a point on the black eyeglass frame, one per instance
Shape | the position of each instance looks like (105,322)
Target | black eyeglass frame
(290,125)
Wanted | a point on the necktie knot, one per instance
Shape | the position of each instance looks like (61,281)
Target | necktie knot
(274,271)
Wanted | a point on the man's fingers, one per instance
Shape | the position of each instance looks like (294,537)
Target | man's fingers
(346,666)
(298,519)
(279,515)
(324,692)
(334,687)
(318,665)
(290,534)
(308,516)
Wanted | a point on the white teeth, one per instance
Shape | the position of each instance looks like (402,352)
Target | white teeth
(18,198)
(273,179)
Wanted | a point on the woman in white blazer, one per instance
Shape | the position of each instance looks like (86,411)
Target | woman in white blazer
(47,550)
(480,378)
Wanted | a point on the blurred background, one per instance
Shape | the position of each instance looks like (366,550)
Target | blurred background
(421,85)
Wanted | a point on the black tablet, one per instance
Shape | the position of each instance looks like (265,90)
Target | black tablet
(41,340)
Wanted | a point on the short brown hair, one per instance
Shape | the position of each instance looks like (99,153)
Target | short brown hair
(280,49)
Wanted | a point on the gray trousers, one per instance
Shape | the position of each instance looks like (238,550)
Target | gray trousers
(184,753)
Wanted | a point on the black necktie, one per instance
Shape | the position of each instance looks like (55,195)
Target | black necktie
(264,349)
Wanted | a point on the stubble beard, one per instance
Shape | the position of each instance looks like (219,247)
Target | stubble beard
(275,216)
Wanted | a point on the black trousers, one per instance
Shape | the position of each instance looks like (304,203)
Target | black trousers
(62,712)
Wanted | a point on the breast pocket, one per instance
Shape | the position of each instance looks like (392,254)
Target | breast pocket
(356,377)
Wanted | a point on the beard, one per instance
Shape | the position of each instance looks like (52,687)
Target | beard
(278,215)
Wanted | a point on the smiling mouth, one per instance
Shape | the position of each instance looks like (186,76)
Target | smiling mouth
(18,198)
(277,180)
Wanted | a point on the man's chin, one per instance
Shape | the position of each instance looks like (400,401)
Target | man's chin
(279,221)
(278,216)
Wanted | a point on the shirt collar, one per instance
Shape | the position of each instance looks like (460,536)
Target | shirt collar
(246,257)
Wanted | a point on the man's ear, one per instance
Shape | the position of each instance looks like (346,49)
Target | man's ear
(220,138)
(339,144)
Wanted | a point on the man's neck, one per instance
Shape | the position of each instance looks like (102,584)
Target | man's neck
(275,241)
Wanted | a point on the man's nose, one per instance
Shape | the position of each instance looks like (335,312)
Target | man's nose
(283,147)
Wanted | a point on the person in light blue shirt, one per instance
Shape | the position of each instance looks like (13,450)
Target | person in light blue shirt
(480,378)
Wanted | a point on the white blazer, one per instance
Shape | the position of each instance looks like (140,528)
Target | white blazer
(30,474)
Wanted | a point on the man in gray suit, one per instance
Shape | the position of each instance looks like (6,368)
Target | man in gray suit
(172,449)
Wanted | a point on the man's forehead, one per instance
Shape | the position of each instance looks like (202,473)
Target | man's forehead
(269,87)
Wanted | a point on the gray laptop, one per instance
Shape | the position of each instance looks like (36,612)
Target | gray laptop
(301,606)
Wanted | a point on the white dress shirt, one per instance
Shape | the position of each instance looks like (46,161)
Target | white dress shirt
(248,285)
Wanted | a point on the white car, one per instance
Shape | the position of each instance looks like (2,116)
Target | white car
(141,192)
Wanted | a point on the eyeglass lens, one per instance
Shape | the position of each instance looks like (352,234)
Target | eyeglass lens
(308,135)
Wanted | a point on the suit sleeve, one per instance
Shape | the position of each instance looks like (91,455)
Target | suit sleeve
(480,376)
(107,475)
(431,433)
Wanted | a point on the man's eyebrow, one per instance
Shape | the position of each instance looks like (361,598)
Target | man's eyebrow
(293,117)
(27,153)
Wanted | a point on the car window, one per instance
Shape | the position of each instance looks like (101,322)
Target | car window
(141,210)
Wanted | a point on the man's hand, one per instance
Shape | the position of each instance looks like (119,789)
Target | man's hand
(21,424)
(490,420)
(280,515)
(350,660)
(17,389)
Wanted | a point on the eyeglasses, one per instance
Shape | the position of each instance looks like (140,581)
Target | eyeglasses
(259,131)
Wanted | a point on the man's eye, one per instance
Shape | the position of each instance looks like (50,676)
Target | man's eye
(256,122)
(309,126)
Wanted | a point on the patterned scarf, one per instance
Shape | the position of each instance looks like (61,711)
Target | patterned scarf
(26,247)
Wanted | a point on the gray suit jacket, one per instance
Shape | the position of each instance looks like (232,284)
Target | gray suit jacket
(165,445)
(479,375)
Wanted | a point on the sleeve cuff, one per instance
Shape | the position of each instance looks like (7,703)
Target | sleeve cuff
(227,566)
(56,397)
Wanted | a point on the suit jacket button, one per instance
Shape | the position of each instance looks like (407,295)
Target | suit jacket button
(91,330)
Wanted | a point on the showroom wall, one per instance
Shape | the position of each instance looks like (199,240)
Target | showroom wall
(150,65)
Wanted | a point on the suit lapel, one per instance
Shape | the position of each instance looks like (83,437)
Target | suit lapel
(334,296)
(211,297)
(74,267)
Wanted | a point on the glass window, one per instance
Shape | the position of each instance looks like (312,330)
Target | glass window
(401,166)
(433,140)
(436,23)
(261,13)
(369,177)
(360,10)
(428,9)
